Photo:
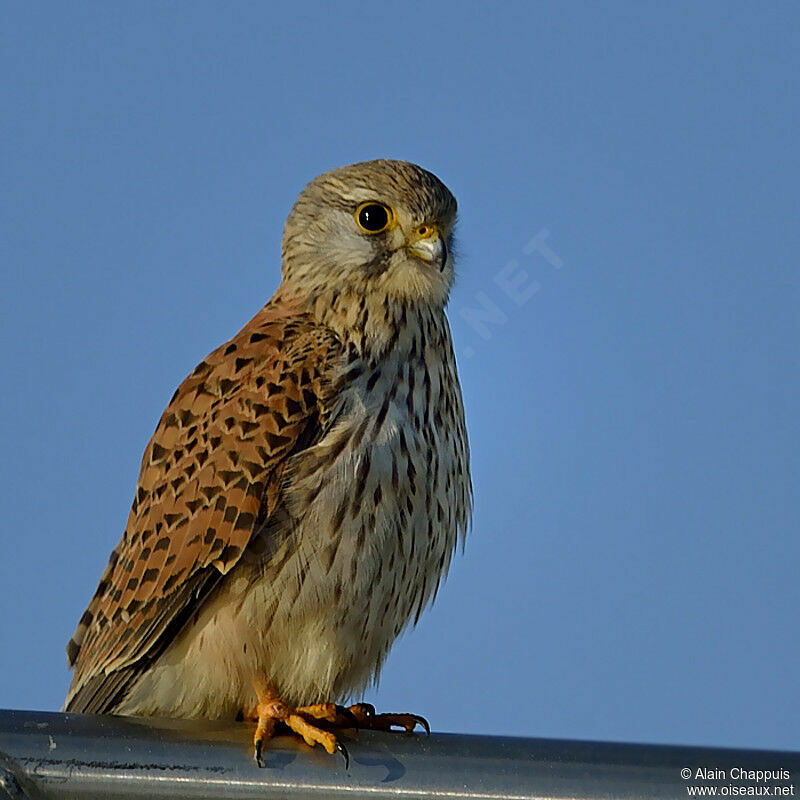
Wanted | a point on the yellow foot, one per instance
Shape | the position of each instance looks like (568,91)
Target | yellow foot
(272,710)
(365,714)
(336,715)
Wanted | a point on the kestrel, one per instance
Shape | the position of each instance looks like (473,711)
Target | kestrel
(306,486)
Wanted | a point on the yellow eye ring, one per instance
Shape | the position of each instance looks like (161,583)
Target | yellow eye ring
(374,217)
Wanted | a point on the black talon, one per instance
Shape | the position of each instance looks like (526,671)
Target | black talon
(422,721)
(257,754)
(343,750)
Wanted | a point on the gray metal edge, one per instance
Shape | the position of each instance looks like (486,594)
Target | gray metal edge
(52,755)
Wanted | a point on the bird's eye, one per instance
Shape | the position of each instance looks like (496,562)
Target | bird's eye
(374,217)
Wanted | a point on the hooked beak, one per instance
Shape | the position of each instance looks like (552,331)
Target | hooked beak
(427,244)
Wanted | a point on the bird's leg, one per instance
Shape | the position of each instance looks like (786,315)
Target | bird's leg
(271,710)
(367,718)
(311,723)
(338,716)
(362,715)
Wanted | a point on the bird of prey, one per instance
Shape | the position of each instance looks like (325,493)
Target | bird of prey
(302,495)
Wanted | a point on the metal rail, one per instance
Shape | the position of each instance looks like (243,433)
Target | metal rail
(44,755)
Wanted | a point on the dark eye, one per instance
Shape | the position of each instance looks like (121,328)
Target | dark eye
(373,217)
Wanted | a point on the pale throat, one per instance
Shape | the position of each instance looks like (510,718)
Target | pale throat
(374,324)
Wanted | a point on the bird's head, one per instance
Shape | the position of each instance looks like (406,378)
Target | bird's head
(376,230)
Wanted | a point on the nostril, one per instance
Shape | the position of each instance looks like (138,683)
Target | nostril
(423,230)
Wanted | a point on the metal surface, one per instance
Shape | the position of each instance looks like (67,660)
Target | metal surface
(75,756)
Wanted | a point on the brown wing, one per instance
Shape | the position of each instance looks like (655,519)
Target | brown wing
(209,476)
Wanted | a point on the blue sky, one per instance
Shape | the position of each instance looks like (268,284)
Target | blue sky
(625,321)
